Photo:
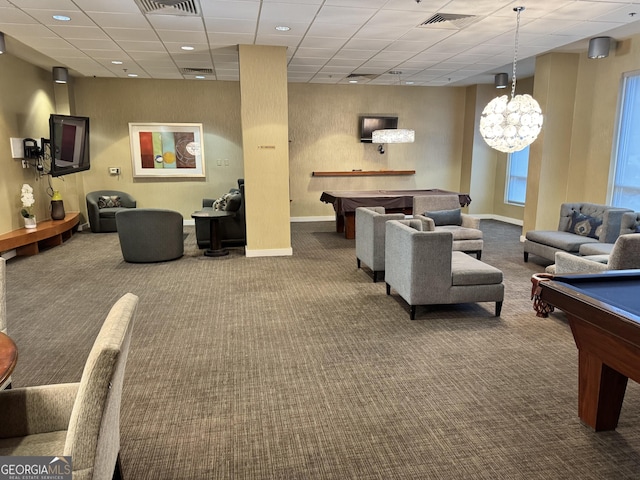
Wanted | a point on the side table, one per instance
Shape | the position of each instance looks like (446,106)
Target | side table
(214,217)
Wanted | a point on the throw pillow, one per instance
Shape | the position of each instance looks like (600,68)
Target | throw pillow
(221,203)
(109,201)
(585,225)
(445,217)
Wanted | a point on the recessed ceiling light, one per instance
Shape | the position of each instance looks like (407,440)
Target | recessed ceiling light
(408,83)
(282,28)
(353,81)
(116,62)
(132,74)
(200,77)
(61,18)
(187,47)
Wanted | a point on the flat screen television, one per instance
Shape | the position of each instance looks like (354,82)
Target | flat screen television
(69,142)
(375,122)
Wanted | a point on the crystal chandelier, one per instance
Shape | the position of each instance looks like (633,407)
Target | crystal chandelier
(511,125)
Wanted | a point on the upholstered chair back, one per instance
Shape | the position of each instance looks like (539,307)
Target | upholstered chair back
(370,237)
(630,223)
(418,262)
(625,254)
(93,436)
(432,203)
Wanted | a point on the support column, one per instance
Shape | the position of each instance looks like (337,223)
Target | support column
(549,157)
(265,144)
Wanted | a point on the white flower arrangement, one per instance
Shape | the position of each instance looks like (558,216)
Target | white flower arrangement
(27,198)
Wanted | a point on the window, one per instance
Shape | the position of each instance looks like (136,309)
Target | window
(517,167)
(626,182)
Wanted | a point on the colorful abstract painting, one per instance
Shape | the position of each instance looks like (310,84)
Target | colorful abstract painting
(167,150)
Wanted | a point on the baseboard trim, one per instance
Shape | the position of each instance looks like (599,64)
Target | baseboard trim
(312,219)
(274,252)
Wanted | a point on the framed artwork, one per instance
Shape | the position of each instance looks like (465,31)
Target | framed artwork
(167,149)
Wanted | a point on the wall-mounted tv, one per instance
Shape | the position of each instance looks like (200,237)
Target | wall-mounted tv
(369,123)
(69,142)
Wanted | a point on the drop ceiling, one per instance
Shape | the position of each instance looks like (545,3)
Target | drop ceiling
(431,42)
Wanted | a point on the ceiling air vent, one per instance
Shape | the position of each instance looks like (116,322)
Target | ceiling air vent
(196,71)
(363,76)
(449,20)
(169,7)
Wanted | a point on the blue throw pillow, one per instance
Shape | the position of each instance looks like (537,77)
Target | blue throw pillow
(585,225)
(445,217)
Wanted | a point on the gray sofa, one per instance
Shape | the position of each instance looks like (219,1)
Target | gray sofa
(579,224)
(370,244)
(423,269)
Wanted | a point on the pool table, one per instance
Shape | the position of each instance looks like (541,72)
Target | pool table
(394,201)
(604,314)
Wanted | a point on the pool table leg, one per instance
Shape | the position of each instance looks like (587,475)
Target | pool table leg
(601,391)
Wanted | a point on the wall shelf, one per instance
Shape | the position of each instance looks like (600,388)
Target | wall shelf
(362,173)
(47,233)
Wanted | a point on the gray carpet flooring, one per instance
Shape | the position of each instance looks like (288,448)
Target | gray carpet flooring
(302,368)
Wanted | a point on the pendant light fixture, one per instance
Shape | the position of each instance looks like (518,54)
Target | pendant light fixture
(509,125)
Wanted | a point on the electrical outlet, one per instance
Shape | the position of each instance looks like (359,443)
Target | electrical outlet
(114,170)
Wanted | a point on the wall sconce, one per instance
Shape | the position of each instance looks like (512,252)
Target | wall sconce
(599,47)
(501,80)
(3,48)
(60,75)
(392,135)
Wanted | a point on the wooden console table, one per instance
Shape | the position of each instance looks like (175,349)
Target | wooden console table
(48,233)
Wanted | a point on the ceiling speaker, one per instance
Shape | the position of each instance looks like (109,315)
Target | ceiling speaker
(502,80)
(599,47)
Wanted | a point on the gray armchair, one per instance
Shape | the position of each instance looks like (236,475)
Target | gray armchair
(150,234)
(446,217)
(625,255)
(81,420)
(232,231)
(102,216)
(370,244)
(422,267)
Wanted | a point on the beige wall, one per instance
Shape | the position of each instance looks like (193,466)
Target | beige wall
(324,136)
(27,101)
(112,103)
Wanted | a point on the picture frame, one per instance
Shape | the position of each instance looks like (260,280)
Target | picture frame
(167,150)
